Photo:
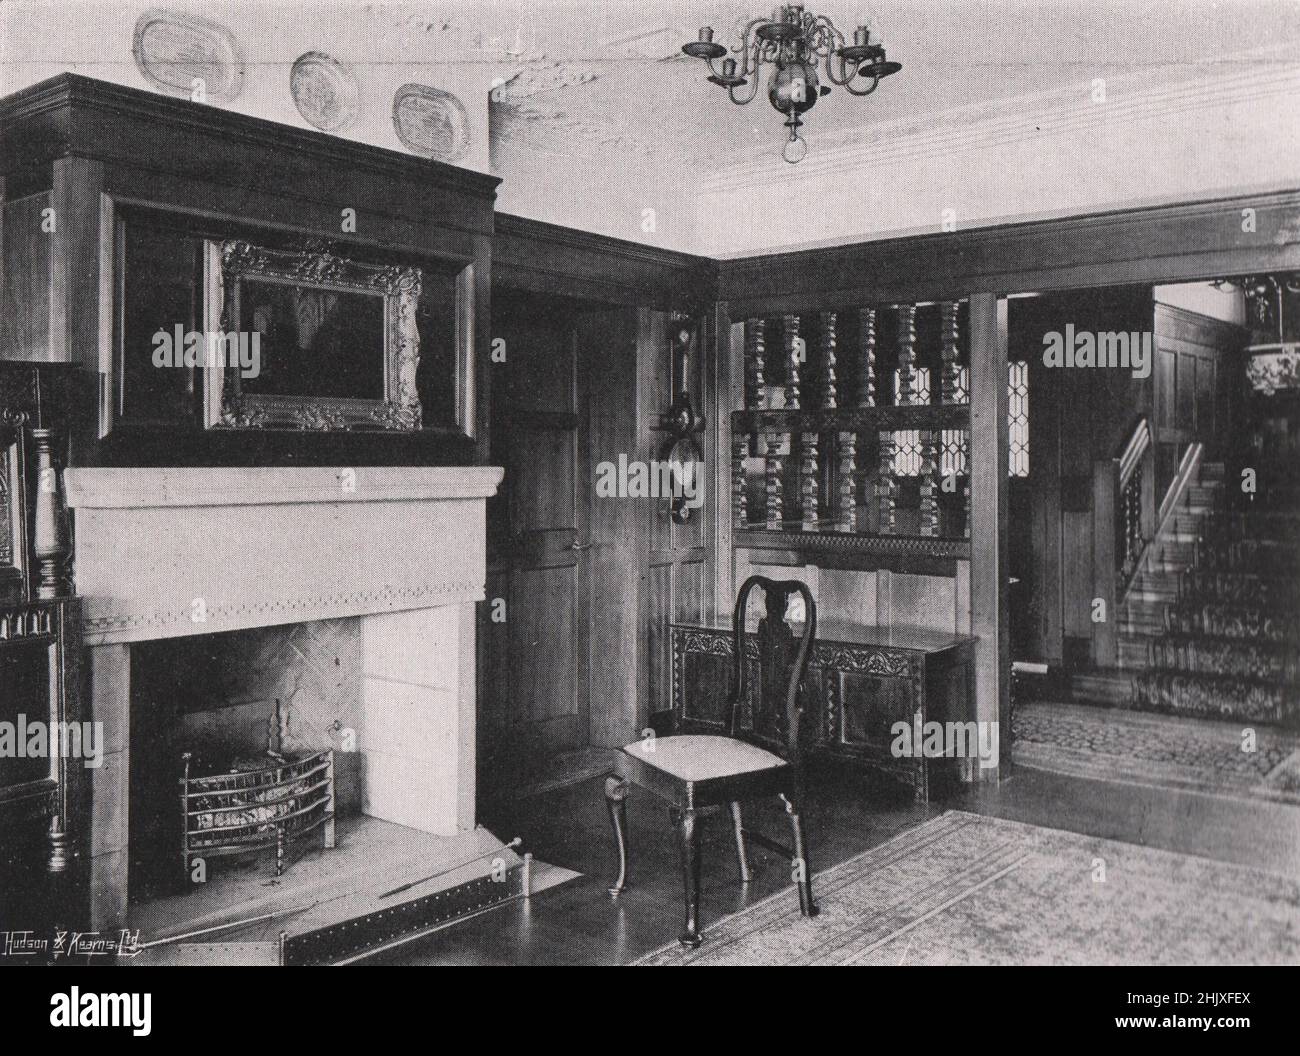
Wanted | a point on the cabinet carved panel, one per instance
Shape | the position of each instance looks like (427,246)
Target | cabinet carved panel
(861,681)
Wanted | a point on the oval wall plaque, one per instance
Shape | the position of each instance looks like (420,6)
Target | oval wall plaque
(325,91)
(431,122)
(180,54)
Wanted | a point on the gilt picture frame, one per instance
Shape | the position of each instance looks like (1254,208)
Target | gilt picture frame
(337,337)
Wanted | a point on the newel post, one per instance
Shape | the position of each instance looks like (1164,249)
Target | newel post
(1105,499)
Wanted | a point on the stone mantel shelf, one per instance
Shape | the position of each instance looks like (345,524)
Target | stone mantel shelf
(163,553)
(145,488)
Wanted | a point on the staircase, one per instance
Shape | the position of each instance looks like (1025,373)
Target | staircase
(1210,626)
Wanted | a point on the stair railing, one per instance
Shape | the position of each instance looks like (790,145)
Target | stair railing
(1188,468)
(1123,525)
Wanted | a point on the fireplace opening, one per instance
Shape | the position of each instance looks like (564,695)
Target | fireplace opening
(263,725)
(333,764)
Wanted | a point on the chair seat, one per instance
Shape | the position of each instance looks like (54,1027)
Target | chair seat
(699,757)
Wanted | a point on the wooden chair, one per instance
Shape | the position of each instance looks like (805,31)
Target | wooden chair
(699,774)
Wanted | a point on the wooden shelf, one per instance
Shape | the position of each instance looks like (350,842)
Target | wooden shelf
(853,420)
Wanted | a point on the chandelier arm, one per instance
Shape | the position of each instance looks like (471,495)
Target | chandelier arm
(745,47)
(827,33)
(753,91)
(843,80)
(875,82)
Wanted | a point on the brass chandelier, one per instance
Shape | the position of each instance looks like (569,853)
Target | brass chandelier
(793,42)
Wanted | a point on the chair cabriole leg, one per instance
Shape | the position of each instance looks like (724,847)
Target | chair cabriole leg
(803,871)
(616,802)
(688,824)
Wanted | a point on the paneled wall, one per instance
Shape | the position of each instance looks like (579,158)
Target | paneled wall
(610,309)
(1199,386)
(26,270)
(881,596)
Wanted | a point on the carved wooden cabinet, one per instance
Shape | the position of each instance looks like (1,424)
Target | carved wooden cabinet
(42,780)
(861,682)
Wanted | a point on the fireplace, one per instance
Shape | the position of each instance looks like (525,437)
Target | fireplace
(345,595)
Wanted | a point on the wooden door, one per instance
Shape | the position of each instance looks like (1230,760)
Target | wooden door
(536,629)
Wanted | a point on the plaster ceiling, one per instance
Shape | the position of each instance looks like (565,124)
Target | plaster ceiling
(580,79)
(595,118)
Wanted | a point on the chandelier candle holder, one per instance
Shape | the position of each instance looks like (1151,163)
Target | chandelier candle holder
(793,42)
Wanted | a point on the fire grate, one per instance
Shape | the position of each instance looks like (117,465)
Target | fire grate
(257,806)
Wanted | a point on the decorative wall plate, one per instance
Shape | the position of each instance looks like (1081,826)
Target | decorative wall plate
(174,50)
(325,91)
(431,122)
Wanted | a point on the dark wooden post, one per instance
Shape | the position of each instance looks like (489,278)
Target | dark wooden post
(989,493)
(731,481)
(867,361)
(81,313)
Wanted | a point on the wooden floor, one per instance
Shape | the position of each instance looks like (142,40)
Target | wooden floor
(577,923)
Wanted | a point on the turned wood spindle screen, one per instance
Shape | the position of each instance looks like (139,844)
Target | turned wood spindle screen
(855,429)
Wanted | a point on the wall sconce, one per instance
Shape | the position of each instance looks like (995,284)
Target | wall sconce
(681,451)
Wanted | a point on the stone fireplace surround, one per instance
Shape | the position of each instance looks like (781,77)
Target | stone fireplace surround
(163,553)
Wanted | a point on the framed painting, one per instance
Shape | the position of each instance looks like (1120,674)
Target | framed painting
(307,340)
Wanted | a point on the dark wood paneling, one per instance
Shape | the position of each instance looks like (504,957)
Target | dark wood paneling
(545,258)
(1198,366)
(1154,244)
(543,656)
(1076,573)
(537,663)
(618,529)
(80,331)
(25,278)
(659,598)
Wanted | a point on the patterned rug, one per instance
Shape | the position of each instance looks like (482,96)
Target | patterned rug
(1112,744)
(1216,697)
(967,889)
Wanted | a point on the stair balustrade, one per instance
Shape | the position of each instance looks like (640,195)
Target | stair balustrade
(1123,524)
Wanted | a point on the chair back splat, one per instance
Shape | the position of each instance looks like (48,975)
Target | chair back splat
(780,663)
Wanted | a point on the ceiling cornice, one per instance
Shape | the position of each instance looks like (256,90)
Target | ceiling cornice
(986,125)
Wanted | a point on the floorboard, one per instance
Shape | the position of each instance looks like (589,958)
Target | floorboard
(577,923)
